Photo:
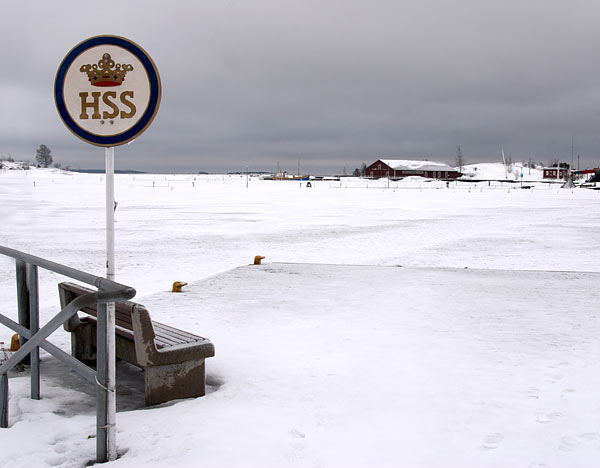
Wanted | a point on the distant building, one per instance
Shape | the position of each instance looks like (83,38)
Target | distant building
(550,172)
(585,174)
(400,168)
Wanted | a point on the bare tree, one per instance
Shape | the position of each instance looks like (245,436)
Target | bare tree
(43,156)
(530,164)
(459,160)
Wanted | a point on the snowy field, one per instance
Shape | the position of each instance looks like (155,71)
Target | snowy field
(481,351)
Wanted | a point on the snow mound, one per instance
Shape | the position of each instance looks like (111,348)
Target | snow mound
(497,171)
(14,165)
(410,165)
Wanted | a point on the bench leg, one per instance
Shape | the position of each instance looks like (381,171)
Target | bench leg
(174,381)
(83,340)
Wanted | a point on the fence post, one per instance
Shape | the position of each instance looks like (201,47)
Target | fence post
(34,322)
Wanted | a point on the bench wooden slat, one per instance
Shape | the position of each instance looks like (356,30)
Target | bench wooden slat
(175,334)
(124,332)
(121,319)
(124,317)
(163,340)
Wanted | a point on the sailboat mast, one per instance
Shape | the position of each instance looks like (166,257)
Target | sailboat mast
(572,151)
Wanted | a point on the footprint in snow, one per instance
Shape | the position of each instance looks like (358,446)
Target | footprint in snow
(296,434)
(568,444)
(297,444)
(533,393)
(491,441)
(546,418)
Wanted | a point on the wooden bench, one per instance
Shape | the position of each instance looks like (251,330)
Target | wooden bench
(172,359)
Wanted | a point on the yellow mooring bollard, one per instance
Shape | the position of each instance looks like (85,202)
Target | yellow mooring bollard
(15,344)
(177,285)
(257,259)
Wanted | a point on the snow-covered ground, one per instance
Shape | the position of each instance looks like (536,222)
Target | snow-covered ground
(429,365)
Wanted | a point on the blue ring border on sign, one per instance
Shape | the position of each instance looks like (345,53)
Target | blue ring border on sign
(153,103)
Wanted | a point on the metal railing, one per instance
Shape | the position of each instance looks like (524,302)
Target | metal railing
(32,337)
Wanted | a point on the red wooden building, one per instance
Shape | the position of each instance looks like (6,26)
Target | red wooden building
(400,168)
(550,173)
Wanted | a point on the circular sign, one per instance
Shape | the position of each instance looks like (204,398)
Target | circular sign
(107,90)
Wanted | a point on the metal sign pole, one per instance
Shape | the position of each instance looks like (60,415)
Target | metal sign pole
(109,154)
(109,368)
(85,107)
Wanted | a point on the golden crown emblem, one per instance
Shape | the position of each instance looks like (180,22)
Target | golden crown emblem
(106,73)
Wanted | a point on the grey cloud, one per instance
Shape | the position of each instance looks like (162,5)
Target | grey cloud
(333,82)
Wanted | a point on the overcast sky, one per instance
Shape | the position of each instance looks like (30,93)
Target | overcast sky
(334,83)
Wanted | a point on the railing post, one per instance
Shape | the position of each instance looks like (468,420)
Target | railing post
(101,388)
(3,400)
(34,322)
(22,301)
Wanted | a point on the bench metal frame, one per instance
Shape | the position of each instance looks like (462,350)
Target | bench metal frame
(32,337)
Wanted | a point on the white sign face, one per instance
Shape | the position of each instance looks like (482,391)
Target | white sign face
(111,95)
(107,90)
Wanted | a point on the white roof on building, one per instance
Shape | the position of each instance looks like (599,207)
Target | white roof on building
(413,165)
